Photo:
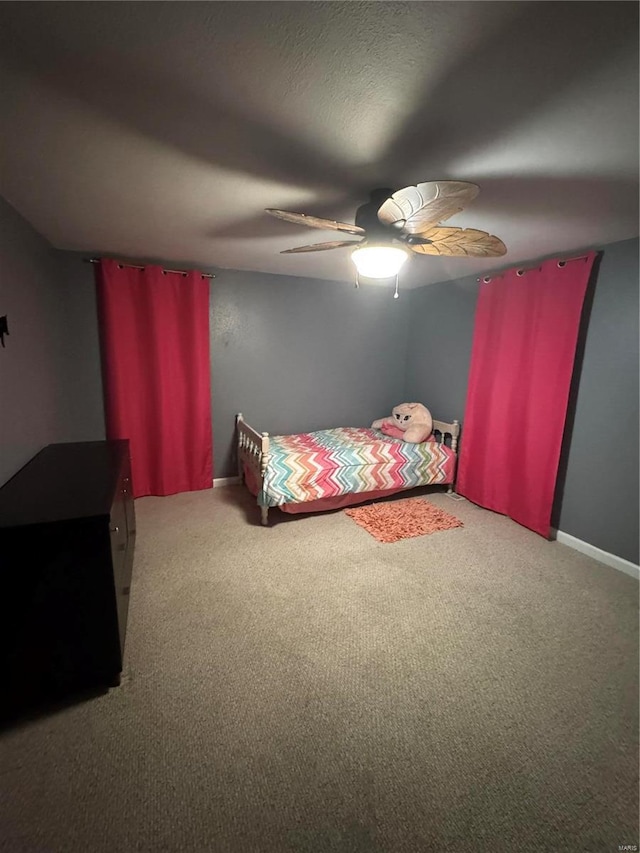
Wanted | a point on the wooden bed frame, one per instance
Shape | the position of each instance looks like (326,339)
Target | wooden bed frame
(253,450)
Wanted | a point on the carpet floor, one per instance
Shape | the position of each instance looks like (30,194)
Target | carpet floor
(307,688)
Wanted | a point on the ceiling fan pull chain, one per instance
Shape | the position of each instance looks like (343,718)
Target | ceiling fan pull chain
(396,294)
(357,279)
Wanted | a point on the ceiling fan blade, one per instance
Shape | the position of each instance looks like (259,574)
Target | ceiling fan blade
(426,204)
(321,247)
(315,221)
(460,242)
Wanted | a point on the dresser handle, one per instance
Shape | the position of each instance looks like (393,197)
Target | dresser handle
(114,528)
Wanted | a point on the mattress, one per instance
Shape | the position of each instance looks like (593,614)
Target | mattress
(348,460)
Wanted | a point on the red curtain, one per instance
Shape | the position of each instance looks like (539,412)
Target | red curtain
(522,357)
(157,375)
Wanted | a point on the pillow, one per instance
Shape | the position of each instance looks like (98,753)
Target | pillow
(395,432)
(392,430)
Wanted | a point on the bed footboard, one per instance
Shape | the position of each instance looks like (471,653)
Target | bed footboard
(253,451)
(442,429)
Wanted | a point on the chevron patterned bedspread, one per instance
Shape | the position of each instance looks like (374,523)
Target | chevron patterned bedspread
(349,460)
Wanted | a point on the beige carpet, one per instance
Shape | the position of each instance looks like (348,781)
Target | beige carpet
(306,688)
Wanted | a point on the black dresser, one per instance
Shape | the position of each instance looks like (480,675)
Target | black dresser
(67,532)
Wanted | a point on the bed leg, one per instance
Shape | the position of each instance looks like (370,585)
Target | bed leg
(264,515)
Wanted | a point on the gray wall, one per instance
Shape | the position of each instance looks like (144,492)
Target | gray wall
(597,498)
(295,355)
(43,377)
(600,500)
(439,349)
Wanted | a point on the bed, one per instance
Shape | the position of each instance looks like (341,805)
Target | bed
(329,469)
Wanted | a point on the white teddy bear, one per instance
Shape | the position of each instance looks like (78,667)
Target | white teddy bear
(409,421)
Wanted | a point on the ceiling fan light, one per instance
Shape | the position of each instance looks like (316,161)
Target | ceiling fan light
(379,261)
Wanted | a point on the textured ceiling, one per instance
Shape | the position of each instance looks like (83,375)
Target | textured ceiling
(163,130)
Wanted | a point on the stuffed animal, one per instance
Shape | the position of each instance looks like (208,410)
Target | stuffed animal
(409,421)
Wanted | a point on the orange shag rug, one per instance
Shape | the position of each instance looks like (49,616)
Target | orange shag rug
(389,522)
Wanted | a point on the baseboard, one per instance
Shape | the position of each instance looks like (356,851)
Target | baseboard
(598,554)
(225,481)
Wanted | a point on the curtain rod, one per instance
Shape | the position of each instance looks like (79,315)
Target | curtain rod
(487,278)
(138,267)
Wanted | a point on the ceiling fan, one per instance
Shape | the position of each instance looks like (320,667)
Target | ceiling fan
(407,219)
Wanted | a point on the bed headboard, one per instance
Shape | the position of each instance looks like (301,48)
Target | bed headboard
(442,429)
